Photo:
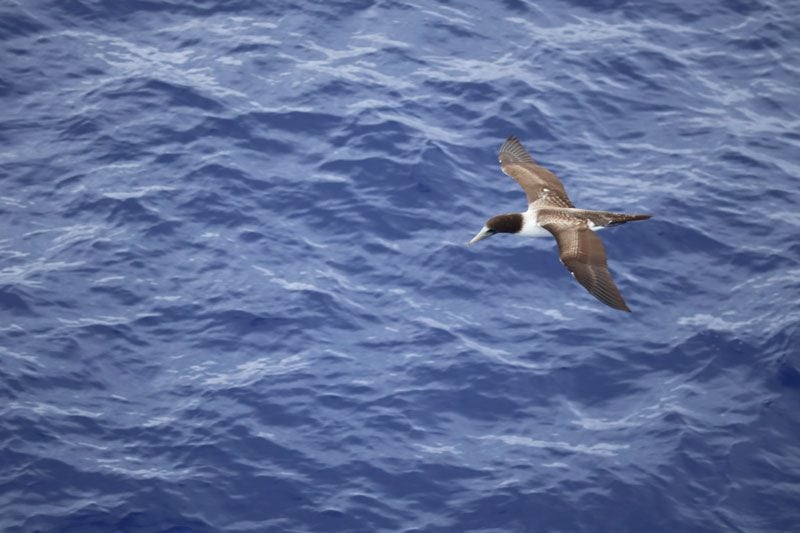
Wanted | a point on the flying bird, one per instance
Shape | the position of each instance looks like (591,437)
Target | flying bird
(551,213)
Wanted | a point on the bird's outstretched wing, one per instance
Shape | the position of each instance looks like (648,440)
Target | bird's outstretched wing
(582,252)
(541,186)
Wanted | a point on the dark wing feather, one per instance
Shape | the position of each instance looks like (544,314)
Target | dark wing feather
(542,187)
(582,252)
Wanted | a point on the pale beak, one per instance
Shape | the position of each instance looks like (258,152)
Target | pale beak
(482,234)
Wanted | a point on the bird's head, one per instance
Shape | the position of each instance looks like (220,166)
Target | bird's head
(511,223)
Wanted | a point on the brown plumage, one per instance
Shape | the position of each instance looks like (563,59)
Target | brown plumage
(550,208)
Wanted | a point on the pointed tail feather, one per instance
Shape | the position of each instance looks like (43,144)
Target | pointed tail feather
(622,218)
(605,218)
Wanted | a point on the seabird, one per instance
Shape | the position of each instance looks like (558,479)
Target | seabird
(550,212)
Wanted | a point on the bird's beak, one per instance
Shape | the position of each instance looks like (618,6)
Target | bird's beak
(482,234)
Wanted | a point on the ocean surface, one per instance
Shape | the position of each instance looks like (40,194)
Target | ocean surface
(236,293)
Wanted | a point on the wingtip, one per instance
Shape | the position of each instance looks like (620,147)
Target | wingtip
(512,151)
(610,295)
(617,305)
(620,305)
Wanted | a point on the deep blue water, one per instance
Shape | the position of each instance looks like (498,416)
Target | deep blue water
(236,295)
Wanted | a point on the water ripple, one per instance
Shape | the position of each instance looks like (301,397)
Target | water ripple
(237,294)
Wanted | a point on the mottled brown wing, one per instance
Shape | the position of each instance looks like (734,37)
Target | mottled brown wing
(582,252)
(542,187)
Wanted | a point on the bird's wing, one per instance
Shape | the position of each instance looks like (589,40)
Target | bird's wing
(582,252)
(541,186)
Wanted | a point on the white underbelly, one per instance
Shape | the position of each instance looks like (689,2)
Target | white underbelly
(533,230)
(530,228)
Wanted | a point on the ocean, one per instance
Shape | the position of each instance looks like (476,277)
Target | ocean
(236,293)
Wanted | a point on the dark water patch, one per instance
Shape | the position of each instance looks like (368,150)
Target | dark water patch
(513,507)
(14,300)
(104,10)
(671,237)
(177,95)
(118,211)
(79,126)
(472,92)
(212,209)
(297,121)
(788,375)
(18,24)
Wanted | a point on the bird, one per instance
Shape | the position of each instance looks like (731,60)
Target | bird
(551,213)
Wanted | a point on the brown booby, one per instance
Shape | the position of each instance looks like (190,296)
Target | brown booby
(551,213)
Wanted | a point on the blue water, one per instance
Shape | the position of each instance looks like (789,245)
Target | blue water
(236,293)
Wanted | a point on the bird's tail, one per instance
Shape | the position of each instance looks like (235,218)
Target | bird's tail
(605,218)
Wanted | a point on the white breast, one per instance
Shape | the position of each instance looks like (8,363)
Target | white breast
(530,228)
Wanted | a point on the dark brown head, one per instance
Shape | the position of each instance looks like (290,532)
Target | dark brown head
(510,223)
